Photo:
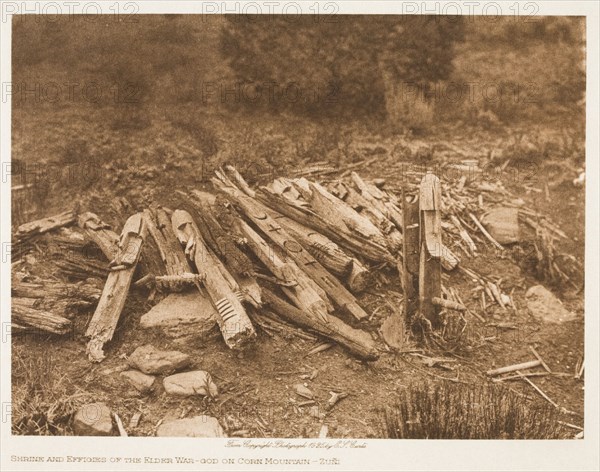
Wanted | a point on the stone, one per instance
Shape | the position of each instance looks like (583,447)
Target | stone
(150,360)
(142,382)
(503,224)
(197,382)
(303,391)
(185,317)
(93,419)
(197,427)
(544,306)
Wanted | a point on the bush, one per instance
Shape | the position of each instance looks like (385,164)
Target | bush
(346,65)
(451,411)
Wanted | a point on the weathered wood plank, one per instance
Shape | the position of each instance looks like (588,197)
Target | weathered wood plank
(106,317)
(222,288)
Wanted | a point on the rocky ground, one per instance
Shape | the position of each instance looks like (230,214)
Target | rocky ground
(165,380)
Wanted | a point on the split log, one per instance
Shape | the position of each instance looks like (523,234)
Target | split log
(28,230)
(356,341)
(378,218)
(328,254)
(105,319)
(319,246)
(305,216)
(410,260)
(430,275)
(379,199)
(234,323)
(57,297)
(337,211)
(27,318)
(210,212)
(294,283)
(263,218)
(100,233)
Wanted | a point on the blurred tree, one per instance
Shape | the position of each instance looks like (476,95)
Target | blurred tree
(338,64)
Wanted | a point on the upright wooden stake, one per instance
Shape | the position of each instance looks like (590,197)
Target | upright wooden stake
(430,269)
(410,261)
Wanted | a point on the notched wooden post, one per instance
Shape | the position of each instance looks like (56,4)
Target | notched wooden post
(410,261)
(222,288)
(430,269)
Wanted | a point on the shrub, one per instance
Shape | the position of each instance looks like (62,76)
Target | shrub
(451,411)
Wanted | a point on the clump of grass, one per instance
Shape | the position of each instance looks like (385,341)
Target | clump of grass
(42,400)
(458,411)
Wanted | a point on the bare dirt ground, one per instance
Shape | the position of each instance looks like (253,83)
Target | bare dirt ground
(146,161)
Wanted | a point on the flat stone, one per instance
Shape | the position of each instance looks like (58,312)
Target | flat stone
(150,360)
(93,419)
(544,306)
(185,317)
(197,382)
(303,391)
(197,427)
(503,224)
(140,381)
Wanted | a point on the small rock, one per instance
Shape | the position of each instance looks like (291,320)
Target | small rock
(315,412)
(544,306)
(150,360)
(197,427)
(197,382)
(303,391)
(93,419)
(141,382)
(503,224)
(135,420)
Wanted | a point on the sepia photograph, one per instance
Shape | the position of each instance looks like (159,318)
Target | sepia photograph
(294,225)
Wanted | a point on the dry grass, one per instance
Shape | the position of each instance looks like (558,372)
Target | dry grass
(449,411)
(43,399)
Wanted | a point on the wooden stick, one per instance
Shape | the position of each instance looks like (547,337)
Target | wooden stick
(159,226)
(539,358)
(520,376)
(464,235)
(448,304)
(485,233)
(120,427)
(410,256)
(332,208)
(300,288)
(513,368)
(540,391)
(379,199)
